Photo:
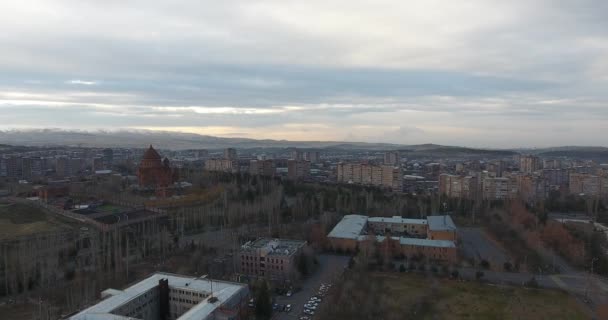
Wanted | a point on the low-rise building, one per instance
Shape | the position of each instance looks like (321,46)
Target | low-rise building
(434,237)
(273,259)
(172,297)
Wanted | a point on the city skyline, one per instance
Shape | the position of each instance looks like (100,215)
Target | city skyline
(485,74)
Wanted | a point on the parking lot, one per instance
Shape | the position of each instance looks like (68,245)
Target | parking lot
(475,245)
(330,267)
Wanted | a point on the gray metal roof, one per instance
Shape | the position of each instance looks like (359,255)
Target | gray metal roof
(441,223)
(412,241)
(222,290)
(427,242)
(350,227)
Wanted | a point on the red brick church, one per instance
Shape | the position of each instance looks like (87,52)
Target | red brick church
(153,172)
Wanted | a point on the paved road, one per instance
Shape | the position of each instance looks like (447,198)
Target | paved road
(330,267)
(476,245)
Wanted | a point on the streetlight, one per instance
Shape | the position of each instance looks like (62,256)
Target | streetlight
(589,278)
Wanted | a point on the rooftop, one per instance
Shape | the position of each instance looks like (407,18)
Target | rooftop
(350,227)
(441,223)
(396,219)
(270,246)
(414,241)
(222,290)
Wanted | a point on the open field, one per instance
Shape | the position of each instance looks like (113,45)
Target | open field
(21,220)
(413,296)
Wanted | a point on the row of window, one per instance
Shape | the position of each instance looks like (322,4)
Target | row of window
(187,292)
(176,299)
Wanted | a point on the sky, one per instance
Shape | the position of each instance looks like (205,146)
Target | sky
(480,73)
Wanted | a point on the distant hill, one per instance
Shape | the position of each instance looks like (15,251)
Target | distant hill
(181,141)
(164,140)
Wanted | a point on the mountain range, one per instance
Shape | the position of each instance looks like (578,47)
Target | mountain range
(180,141)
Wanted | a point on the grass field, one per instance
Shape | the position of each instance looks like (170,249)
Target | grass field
(413,296)
(21,220)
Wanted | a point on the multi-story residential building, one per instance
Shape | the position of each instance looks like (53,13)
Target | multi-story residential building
(298,169)
(439,232)
(312,156)
(496,167)
(552,164)
(297,155)
(273,259)
(585,184)
(344,173)
(164,296)
(108,157)
(230,154)
(498,188)
(392,158)
(530,187)
(556,177)
(62,167)
(14,166)
(222,165)
(368,174)
(529,164)
(392,177)
(262,167)
(33,167)
(455,186)
(3,167)
(76,166)
(604,184)
(97,163)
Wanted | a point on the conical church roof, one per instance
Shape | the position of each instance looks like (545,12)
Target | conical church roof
(151,154)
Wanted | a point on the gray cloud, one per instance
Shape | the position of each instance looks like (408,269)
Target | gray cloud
(490,73)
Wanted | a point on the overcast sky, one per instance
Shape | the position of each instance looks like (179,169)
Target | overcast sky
(473,73)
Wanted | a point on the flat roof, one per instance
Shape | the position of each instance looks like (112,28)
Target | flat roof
(414,241)
(222,290)
(350,227)
(274,246)
(441,223)
(427,242)
(397,219)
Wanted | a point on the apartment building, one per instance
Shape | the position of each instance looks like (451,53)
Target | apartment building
(556,177)
(368,174)
(392,158)
(298,169)
(585,184)
(498,188)
(529,164)
(456,186)
(222,165)
(262,167)
(530,187)
(230,154)
(312,156)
